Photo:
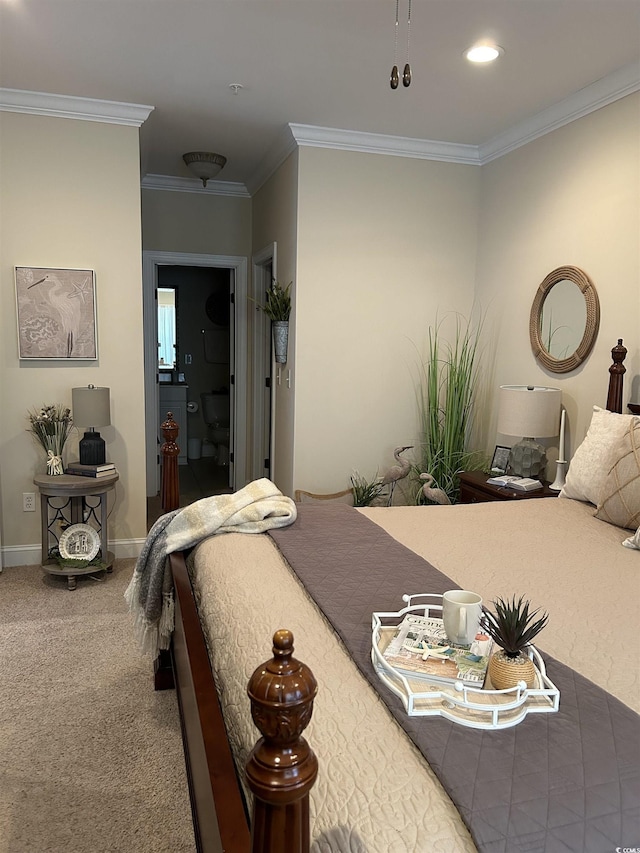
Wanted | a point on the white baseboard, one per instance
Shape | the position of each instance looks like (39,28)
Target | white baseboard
(30,555)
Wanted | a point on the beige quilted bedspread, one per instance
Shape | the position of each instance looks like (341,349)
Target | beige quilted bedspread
(552,550)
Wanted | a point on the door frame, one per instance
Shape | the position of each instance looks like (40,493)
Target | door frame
(262,363)
(151,260)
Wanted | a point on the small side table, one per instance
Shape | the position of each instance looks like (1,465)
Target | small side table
(475,489)
(64,500)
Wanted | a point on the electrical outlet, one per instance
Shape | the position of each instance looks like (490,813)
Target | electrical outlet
(28,502)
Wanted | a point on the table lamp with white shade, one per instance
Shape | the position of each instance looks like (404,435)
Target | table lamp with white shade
(90,407)
(531,412)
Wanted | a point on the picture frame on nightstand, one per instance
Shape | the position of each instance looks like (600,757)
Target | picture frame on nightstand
(500,459)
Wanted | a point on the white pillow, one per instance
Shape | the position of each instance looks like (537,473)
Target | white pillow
(591,461)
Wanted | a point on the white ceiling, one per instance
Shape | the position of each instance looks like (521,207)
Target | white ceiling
(313,62)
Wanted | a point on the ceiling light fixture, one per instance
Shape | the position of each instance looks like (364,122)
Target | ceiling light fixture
(483,53)
(204,164)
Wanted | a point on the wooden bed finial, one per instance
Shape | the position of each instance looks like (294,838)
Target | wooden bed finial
(169,451)
(282,768)
(616,373)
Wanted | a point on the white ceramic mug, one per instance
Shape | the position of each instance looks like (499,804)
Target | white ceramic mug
(461,611)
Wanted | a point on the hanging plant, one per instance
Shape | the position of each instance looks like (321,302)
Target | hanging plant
(277,307)
(278,301)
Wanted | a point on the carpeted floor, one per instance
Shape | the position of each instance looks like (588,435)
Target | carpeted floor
(91,756)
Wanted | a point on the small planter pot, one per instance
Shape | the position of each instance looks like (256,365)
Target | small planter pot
(506,672)
(280,330)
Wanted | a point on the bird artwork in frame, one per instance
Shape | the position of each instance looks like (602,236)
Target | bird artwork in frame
(56,311)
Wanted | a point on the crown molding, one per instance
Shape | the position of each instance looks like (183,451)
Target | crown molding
(599,94)
(284,145)
(378,143)
(69,106)
(170,183)
(593,97)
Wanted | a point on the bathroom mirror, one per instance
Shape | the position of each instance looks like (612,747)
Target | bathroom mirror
(564,319)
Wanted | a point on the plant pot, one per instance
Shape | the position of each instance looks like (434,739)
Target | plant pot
(506,672)
(280,339)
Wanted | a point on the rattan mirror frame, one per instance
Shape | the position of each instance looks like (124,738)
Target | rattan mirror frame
(592,324)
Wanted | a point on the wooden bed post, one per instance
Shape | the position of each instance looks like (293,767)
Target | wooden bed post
(282,768)
(170,488)
(616,374)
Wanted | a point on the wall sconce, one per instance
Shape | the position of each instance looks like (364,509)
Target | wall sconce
(91,407)
(532,412)
(204,164)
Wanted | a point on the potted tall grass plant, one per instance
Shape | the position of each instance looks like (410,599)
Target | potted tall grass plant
(446,396)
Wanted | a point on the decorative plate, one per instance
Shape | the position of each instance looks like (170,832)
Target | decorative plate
(79,542)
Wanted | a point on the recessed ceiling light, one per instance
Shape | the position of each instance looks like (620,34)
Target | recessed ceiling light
(483,52)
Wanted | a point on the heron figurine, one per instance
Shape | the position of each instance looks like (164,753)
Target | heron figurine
(433,495)
(396,472)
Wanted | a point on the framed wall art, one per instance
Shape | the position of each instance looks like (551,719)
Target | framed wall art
(56,311)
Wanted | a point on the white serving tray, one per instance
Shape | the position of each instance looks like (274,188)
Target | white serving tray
(478,708)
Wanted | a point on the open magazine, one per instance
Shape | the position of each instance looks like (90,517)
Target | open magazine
(420,649)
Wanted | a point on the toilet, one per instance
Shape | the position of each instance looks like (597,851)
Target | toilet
(215,411)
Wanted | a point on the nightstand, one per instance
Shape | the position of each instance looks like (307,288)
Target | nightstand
(475,489)
(66,500)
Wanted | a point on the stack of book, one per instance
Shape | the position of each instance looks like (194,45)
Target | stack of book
(80,470)
(420,649)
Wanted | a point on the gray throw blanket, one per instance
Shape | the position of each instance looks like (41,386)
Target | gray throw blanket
(258,507)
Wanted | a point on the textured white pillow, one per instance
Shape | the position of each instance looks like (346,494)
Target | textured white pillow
(619,502)
(592,460)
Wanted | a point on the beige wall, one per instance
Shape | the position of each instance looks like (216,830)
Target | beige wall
(197,223)
(378,247)
(386,246)
(275,213)
(70,198)
(571,197)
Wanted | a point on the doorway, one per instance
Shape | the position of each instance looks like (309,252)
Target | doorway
(196,362)
(158,268)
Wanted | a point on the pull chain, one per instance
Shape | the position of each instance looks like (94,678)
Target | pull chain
(394,79)
(406,76)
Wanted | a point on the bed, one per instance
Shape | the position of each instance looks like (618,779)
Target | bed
(387,782)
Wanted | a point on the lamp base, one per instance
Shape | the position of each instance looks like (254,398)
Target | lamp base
(527,458)
(92,449)
(561,475)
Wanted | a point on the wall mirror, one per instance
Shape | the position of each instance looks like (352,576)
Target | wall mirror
(564,319)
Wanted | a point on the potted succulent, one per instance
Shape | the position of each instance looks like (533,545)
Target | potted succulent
(512,627)
(278,308)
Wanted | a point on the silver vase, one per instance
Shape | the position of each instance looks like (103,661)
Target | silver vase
(280,339)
